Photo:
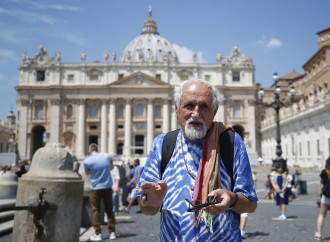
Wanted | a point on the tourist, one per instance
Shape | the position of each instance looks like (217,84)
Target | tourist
(182,187)
(325,200)
(98,166)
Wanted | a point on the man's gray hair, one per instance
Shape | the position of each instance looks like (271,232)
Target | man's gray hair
(178,92)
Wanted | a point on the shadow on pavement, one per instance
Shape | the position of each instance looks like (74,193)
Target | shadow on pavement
(255,234)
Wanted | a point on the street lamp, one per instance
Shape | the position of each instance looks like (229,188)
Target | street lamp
(276,105)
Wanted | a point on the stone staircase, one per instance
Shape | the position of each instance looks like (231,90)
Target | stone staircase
(6,218)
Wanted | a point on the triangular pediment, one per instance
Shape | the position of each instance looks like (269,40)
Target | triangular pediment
(139,79)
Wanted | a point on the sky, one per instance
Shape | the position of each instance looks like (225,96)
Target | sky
(279,35)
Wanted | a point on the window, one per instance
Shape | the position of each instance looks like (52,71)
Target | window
(41,75)
(69,112)
(207,77)
(237,111)
(158,113)
(139,126)
(70,77)
(39,111)
(184,77)
(120,126)
(139,141)
(120,149)
(318,147)
(236,77)
(94,77)
(94,111)
(158,76)
(120,112)
(139,110)
(120,76)
(308,149)
(158,126)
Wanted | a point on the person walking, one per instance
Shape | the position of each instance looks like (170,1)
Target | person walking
(279,182)
(199,198)
(115,188)
(98,166)
(325,200)
(133,182)
(269,188)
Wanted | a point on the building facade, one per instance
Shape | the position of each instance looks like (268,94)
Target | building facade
(7,130)
(305,125)
(123,104)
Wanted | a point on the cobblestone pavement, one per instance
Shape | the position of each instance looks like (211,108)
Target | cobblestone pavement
(261,226)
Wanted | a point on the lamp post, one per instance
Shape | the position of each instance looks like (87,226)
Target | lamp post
(276,104)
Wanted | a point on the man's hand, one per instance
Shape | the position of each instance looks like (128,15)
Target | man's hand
(227,198)
(152,195)
(222,195)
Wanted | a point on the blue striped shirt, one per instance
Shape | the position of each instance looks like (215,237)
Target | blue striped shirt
(176,223)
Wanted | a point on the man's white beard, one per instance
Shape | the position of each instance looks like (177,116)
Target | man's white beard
(194,133)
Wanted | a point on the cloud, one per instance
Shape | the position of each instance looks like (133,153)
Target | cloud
(8,54)
(29,16)
(185,55)
(274,43)
(56,7)
(269,43)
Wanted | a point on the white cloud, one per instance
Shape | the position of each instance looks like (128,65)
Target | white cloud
(269,43)
(8,54)
(55,6)
(29,16)
(274,43)
(185,55)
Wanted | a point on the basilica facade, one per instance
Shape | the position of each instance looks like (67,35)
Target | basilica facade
(123,103)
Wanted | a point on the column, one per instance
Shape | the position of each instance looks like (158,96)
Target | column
(128,128)
(112,127)
(174,119)
(250,104)
(81,130)
(103,145)
(23,132)
(55,121)
(166,116)
(220,116)
(150,124)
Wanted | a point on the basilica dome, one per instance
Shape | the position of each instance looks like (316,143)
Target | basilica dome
(149,46)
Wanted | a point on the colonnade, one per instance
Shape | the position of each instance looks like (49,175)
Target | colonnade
(108,124)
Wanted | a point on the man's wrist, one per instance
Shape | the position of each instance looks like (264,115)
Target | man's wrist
(232,206)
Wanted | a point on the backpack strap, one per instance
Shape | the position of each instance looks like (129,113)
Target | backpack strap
(167,149)
(227,140)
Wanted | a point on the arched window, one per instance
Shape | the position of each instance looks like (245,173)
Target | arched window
(94,111)
(39,111)
(139,110)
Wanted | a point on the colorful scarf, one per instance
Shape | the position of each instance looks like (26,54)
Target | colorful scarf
(208,175)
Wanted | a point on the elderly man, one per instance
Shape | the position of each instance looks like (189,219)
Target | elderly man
(196,174)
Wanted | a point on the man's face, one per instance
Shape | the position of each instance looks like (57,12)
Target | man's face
(196,113)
